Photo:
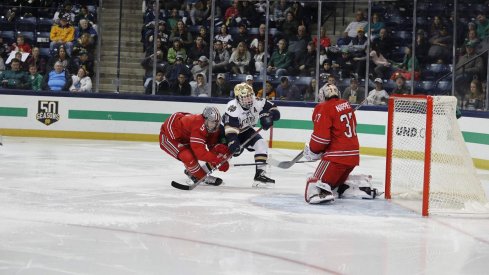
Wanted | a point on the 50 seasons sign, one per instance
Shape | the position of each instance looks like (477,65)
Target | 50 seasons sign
(47,112)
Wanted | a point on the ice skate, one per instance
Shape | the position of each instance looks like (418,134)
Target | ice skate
(261,180)
(211,180)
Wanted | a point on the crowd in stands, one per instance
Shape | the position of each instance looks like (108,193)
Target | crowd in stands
(239,47)
(48,45)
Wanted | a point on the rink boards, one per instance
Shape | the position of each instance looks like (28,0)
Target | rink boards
(113,118)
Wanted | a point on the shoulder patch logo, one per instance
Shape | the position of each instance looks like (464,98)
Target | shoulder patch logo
(232,108)
(47,112)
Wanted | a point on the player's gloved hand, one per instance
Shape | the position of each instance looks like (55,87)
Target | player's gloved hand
(216,160)
(234,147)
(221,150)
(309,155)
(266,120)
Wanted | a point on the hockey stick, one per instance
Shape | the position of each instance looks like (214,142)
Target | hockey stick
(192,186)
(288,164)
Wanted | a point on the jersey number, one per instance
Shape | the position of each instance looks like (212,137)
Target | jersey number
(350,125)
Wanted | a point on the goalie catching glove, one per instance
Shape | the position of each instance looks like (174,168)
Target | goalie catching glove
(310,155)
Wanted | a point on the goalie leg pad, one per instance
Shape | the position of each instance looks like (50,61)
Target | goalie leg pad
(318,192)
(357,186)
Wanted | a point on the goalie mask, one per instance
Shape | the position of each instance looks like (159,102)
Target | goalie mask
(329,92)
(212,118)
(245,95)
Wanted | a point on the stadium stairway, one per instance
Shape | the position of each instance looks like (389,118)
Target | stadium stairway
(131,72)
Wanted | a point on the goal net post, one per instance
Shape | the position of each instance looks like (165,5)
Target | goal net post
(427,161)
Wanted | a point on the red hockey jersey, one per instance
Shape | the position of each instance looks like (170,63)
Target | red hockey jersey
(190,129)
(335,132)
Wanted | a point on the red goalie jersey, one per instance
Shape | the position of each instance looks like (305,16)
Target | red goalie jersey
(335,132)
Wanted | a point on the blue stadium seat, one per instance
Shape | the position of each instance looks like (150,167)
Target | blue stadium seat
(44,52)
(389,85)
(397,54)
(425,87)
(26,24)
(402,38)
(6,25)
(44,24)
(434,71)
(8,36)
(444,87)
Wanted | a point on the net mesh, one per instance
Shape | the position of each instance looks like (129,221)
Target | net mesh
(454,184)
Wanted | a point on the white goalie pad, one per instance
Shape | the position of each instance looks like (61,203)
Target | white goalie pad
(359,187)
(317,192)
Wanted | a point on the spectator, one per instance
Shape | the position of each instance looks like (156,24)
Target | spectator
(288,91)
(351,30)
(378,96)
(176,69)
(257,64)
(2,65)
(221,58)
(246,11)
(279,12)
(162,86)
(471,70)
(231,13)
(83,60)
(474,100)
(250,81)
(65,10)
(401,87)
(201,67)
(23,65)
(260,37)
(422,47)
(472,38)
(383,43)
(306,62)
(36,59)
(57,80)
(482,26)
(407,65)
(345,64)
(15,78)
(270,92)
(289,26)
(62,56)
(201,88)
(224,37)
(85,14)
(177,49)
(328,69)
(173,19)
(81,82)
(375,27)
(35,79)
(204,34)
(162,36)
(21,45)
(354,93)
(181,86)
(62,34)
(199,12)
(221,88)
(85,27)
(84,43)
(281,60)
(298,43)
(4,49)
(181,31)
(441,46)
(324,40)
(197,50)
(242,35)
(240,59)
(382,65)
(310,93)
(436,26)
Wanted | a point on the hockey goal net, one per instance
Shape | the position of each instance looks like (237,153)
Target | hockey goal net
(427,159)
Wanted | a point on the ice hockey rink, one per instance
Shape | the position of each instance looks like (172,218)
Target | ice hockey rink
(107,207)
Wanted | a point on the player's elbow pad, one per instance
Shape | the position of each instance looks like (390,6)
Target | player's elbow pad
(275,114)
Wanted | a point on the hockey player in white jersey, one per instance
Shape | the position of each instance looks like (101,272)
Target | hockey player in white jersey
(242,114)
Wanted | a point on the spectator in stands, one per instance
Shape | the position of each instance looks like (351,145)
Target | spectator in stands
(84,13)
(150,14)
(474,100)
(81,82)
(401,87)
(221,88)
(20,45)
(298,12)
(231,13)
(242,35)
(407,65)
(85,43)
(221,58)
(181,86)
(35,78)
(2,65)
(422,47)
(345,64)
(351,30)
(57,80)
(23,65)
(246,11)
(354,93)
(162,85)
(310,93)
(201,88)
(202,66)
(257,64)
(327,69)
(375,27)
(289,26)
(197,50)
(472,38)
(469,71)
(441,46)
(85,27)
(148,64)
(382,65)
(199,12)
(378,96)
(205,35)
(240,59)
(4,49)
(260,37)
(181,31)
(15,78)
(482,26)
(62,56)
(281,60)
(436,26)
(306,61)
(177,68)
(288,91)
(224,37)
(65,9)
(173,19)
(177,49)
(324,40)
(62,34)
(279,13)
(298,42)
(270,92)
(383,43)
(36,59)
(163,38)
(83,60)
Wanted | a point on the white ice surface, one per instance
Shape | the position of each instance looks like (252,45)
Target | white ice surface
(104,207)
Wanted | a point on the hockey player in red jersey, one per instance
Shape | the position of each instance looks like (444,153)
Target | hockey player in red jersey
(193,137)
(334,141)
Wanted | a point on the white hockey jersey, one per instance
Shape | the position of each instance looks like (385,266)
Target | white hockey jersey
(237,120)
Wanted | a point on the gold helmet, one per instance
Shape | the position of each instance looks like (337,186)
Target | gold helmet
(244,94)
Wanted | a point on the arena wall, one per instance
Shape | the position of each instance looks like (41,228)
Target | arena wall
(139,119)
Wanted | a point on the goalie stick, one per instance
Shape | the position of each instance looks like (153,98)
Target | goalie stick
(192,186)
(288,164)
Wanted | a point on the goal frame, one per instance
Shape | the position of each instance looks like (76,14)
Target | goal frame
(427,152)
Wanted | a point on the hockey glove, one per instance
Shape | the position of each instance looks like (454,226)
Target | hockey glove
(216,160)
(235,146)
(309,155)
(266,121)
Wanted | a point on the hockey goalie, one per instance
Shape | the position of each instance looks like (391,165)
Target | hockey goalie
(334,142)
